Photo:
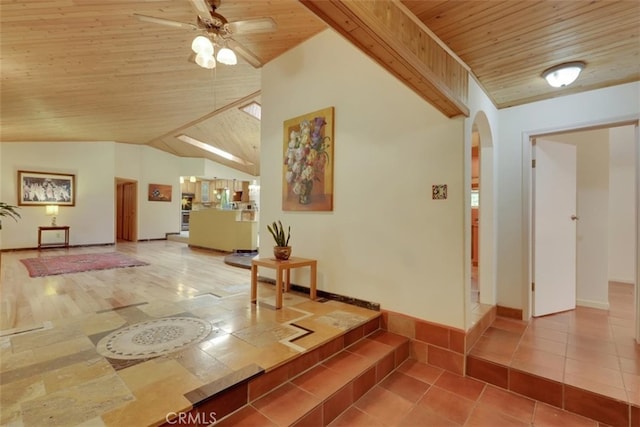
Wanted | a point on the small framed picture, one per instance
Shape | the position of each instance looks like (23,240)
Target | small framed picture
(159,193)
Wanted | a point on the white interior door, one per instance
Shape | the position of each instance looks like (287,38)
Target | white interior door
(554,229)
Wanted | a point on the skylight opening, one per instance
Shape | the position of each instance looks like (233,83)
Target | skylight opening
(210,148)
(253,109)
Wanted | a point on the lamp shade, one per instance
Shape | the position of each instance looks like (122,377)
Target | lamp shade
(52,209)
(192,179)
(205,60)
(226,56)
(203,45)
(563,74)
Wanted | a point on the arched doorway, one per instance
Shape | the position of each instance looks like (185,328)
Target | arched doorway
(481,223)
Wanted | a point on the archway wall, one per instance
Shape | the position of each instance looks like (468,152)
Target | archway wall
(513,157)
(484,116)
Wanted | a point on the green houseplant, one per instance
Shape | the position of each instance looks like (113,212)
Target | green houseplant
(8,210)
(282,250)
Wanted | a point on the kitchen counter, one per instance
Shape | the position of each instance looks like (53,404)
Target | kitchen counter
(223,230)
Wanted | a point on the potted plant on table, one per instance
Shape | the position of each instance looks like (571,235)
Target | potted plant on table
(282,250)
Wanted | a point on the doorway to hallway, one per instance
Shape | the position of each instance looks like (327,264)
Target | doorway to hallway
(605,218)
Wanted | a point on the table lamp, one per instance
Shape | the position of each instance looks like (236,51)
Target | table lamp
(53,211)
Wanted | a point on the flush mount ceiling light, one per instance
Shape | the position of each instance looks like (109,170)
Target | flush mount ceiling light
(563,74)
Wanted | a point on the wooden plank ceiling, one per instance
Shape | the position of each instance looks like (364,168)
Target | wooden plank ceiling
(87,70)
(508,44)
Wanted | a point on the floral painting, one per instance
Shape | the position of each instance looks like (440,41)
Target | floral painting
(307,183)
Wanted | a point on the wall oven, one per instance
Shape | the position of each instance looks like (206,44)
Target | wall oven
(187,202)
(184,220)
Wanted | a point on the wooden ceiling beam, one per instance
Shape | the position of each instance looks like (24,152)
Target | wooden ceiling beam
(385,31)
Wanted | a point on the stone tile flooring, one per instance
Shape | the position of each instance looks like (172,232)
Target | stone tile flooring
(46,371)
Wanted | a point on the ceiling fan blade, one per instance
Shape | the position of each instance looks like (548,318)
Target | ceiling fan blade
(202,7)
(244,53)
(262,25)
(167,22)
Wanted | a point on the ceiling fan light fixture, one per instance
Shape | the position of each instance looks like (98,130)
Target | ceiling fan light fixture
(564,74)
(227,56)
(205,61)
(201,44)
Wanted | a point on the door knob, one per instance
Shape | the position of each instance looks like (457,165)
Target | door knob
(574,218)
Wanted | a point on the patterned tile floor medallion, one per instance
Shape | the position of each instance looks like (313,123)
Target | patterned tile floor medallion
(153,338)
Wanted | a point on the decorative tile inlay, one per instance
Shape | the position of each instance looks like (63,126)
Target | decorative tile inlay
(341,319)
(439,191)
(153,338)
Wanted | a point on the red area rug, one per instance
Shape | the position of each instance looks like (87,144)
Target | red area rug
(52,265)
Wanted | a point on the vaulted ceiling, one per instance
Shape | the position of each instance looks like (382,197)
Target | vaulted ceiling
(88,70)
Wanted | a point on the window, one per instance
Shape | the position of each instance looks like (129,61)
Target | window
(475,198)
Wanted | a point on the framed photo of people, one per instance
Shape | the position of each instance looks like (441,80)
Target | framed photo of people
(46,188)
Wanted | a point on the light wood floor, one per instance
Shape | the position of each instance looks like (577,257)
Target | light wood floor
(179,272)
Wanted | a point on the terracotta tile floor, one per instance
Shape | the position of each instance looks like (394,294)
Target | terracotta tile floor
(587,348)
(417,394)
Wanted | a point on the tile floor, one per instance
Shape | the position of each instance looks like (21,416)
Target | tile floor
(417,394)
(584,360)
(44,372)
(50,366)
(587,348)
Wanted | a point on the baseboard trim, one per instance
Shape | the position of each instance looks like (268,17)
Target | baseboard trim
(593,304)
(35,248)
(510,312)
(623,281)
(324,295)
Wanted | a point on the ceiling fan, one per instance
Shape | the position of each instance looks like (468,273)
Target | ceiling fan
(218,32)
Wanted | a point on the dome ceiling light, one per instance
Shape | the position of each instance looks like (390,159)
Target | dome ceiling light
(564,74)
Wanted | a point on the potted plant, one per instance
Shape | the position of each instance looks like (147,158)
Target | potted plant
(8,210)
(282,250)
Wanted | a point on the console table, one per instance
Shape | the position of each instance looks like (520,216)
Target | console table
(282,266)
(64,244)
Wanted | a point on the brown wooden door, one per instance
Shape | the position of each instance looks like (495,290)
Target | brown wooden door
(126,194)
(128,211)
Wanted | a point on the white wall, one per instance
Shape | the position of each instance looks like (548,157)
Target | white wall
(92,165)
(148,165)
(517,124)
(95,166)
(622,222)
(385,240)
(592,228)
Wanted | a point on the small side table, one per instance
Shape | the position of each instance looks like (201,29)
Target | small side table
(64,244)
(282,267)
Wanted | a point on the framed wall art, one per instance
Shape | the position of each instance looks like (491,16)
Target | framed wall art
(159,193)
(46,188)
(307,172)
